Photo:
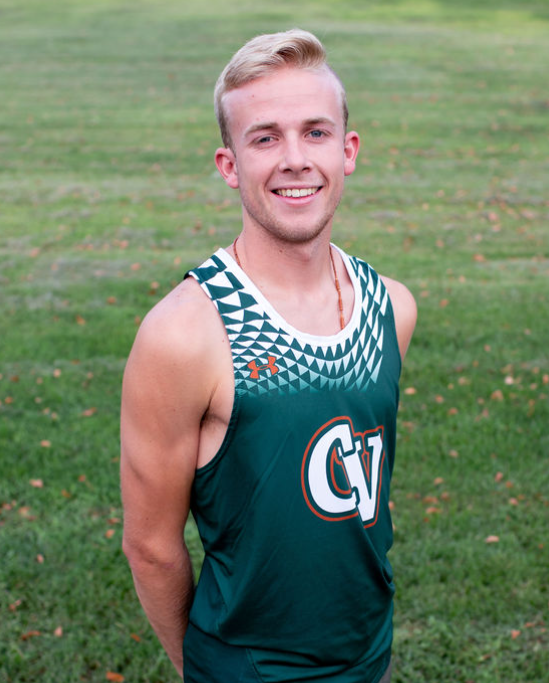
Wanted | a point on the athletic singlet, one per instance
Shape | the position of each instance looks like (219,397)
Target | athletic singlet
(293,510)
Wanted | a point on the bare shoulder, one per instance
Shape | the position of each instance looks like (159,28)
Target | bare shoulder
(178,332)
(180,318)
(171,375)
(405,312)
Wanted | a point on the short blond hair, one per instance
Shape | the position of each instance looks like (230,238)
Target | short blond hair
(265,54)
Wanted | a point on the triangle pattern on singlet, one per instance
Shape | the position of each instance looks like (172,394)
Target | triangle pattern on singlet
(254,335)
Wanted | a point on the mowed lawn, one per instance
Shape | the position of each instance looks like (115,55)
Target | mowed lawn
(108,195)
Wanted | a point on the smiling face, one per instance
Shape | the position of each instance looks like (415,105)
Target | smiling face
(290,152)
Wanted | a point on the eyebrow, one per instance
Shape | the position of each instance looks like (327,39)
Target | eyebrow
(263,125)
(272,125)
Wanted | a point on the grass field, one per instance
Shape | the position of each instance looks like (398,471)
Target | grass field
(108,195)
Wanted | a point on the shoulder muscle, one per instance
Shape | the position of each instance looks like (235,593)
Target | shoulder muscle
(405,312)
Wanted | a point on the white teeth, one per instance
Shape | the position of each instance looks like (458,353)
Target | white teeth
(305,192)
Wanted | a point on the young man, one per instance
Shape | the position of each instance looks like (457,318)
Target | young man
(262,394)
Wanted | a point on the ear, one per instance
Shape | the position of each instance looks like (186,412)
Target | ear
(350,150)
(225,161)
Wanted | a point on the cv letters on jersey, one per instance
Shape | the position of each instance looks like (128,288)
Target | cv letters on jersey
(341,474)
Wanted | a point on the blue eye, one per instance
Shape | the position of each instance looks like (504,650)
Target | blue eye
(316,133)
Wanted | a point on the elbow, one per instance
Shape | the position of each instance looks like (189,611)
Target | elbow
(139,554)
(129,549)
(146,557)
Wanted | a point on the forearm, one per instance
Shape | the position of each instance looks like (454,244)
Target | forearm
(165,591)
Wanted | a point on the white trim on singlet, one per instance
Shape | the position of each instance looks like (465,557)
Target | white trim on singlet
(305,337)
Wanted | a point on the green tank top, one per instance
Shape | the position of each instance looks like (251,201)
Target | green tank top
(293,510)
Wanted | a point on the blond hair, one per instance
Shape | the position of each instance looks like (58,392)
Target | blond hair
(265,54)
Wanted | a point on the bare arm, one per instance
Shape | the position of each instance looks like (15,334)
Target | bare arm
(165,395)
(405,312)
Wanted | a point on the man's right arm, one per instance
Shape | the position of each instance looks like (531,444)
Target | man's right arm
(166,393)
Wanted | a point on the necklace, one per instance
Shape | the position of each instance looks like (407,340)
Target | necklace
(338,288)
(336,280)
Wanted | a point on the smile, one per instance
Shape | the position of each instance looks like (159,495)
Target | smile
(295,192)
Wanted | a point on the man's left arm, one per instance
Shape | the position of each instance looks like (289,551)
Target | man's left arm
(404,310)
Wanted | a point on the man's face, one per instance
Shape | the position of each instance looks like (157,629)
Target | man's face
(290,152)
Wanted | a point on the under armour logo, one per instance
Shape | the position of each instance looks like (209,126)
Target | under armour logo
(255,369)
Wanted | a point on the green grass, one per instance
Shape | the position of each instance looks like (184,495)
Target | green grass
(108,195)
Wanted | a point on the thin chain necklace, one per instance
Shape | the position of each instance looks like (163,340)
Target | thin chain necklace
(336,279)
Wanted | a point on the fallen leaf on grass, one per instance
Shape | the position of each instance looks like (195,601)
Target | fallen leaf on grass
(45,443)
(40,558)
(109,533)
(430,499)
(498,477)
(114,677)
(438,481)
(135,637)
(89,412)
(515,634)
(37,483)
(492,539)
(30,634)
(410,391)
(25,512)
(80,320)
(58,633)
(14,605)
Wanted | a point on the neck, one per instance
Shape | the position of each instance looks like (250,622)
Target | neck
(308,286)
(285,265)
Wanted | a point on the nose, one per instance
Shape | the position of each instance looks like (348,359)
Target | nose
(294,157)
